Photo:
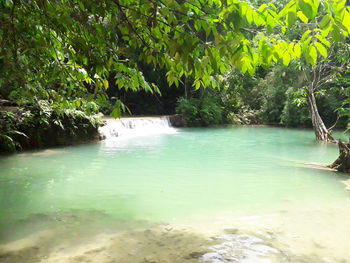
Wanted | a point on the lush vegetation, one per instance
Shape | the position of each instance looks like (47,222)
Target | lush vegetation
(270,97)
(48,124)
(231,61)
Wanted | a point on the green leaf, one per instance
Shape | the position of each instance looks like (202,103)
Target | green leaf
(312,52)
(249,16)
(119,106)
(77,103)
(297,50)
(325,21)
(305,44)
(197,84)
(116,113)
(287,8)
(262,7)
(291,18)
(286,59)
(302,17)
(321,49)
(323,40)
(212,59)
(257,19)
(305,35)
(105,84)
(346,20)
(306,8)
(336,33)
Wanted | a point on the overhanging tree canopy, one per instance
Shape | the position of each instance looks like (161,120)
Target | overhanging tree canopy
(75,44)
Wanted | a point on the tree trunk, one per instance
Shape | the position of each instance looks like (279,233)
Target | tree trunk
(320,129)
(342,164)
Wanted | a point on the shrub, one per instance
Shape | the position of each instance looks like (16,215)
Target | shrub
(46,124)
(248,116)
(188,108)
(210,112)
(198,112)
(295,112)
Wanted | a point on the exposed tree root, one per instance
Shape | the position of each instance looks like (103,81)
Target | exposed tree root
(342,164)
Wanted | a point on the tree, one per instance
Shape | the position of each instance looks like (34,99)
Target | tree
(320,77)
(72,46)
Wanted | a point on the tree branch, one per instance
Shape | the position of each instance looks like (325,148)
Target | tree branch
(335,123)
(129,24)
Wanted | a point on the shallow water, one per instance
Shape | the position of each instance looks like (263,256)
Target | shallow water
(207,180)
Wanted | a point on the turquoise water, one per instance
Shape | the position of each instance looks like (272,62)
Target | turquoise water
(169,177)
(173,178)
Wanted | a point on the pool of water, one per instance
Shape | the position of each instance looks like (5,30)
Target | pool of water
(253,178)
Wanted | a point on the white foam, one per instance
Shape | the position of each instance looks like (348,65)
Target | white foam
(116,129)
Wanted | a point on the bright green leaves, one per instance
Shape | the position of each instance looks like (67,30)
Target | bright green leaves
(290,13)
(197,83)
(83,41)
(346,20)
(331,16)
(253,16)
(249,14)
(247,64)
(105,84)
(119,108)
(314,43)
(311,49)
(129,78)
(305,10)
(321,49)
(311,55)
(323,40)
(263,48)
(284,51)
(297,50)
(244,57)
(302,17)
(325,21)
(308,7)
(172,78)
(270,15)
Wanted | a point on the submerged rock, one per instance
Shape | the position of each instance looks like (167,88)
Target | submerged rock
(242,248)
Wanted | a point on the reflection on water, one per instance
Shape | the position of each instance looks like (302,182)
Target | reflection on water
(188,189)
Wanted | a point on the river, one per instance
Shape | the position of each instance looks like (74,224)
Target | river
(234,194)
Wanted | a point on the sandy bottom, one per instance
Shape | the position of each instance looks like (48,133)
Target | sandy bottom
(310,236)
(155,244)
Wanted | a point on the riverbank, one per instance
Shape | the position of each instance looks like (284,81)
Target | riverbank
(28,129)
(25,128)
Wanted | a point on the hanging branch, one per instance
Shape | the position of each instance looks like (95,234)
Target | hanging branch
(129,24)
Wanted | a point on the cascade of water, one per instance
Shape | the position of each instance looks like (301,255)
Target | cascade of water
(134,127)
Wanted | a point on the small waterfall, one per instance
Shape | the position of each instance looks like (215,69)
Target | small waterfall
(135,127)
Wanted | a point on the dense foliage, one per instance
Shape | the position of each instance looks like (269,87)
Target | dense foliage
(46,125)
(94,54)
(76,46)
(270,97)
